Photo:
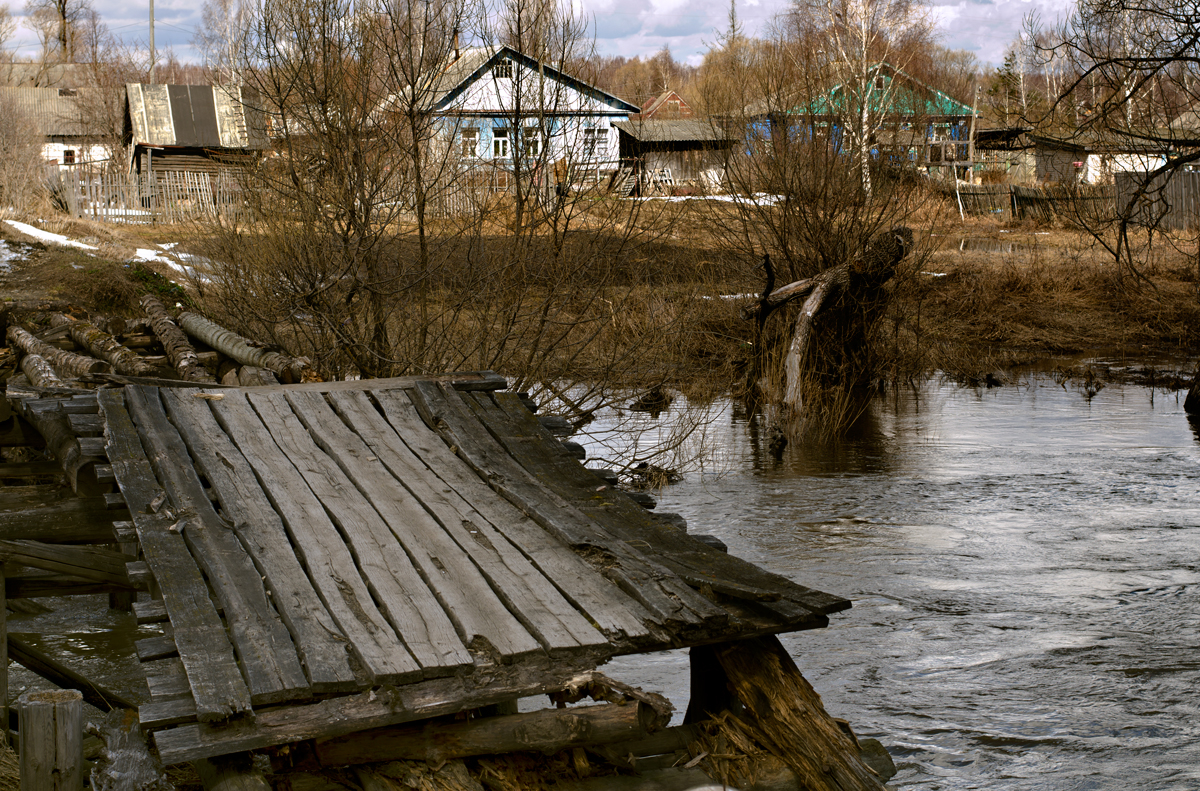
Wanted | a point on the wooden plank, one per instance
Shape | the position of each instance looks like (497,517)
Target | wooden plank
(263,645)
(167,679)
(204,647)
(471,602)
(73,520)
(56,673)
(532,597)
(153,611)
(151,648)
(88,563)
(669,602)
(318,641)
(375,709)
(165,712)
(613,612)
(460,380)
(403,595)
(694,561)
(322,550)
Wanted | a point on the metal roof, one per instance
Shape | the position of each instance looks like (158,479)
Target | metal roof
(56,114)
(664,130)
(194,116)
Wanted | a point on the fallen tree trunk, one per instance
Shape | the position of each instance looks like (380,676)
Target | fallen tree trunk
(174,341)
(65,363)
(104,346)
(238,348)
(39,371)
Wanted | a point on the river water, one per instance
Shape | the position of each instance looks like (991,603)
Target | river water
(1024,564)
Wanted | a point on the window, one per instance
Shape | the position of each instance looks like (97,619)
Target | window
(531,142)
(69,157)
(503,69)
(880,84)
(469,143)
(499,143)
(595,142)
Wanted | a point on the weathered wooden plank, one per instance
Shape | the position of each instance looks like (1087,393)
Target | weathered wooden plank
(459,380)
(653,587)
(85,425)
(322,550)
(473,604)
(153,611)
(167,679)
(404,597)
(165,712)
(59,674)
(263,645)
(321,645)
(74,520)
(374,709)
(614,612)
(696,562)
(88,563)
(204,648)
(151,648)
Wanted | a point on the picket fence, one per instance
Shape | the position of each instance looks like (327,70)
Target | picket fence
(1072,203)
(172,197)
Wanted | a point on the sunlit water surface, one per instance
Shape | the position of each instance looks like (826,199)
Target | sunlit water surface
(1024,564)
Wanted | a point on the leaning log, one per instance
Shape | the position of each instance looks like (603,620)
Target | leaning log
(104,346)
(76,459)
(174,341)
(65,363)
(39,371)
(238,348)
(546,732)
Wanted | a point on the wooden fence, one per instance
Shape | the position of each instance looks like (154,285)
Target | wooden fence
(1168,204)
(1071,203)
(171,197)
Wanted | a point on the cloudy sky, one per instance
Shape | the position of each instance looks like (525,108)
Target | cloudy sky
(627,27)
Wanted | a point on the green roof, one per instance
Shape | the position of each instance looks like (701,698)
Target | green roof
(901,94)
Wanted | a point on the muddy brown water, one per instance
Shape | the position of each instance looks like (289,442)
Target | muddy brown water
(1024,564)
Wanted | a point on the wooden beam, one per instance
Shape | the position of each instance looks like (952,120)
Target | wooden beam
(62,676)
(51,741)
(89,563)
(546,731)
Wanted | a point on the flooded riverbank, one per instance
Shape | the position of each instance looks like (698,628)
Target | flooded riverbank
(1022,562)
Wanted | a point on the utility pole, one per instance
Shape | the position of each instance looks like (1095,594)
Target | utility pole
(153,54)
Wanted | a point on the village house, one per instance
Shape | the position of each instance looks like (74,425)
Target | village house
(70,141)
(1091,158)
(667,105)
(672,154)
(502,109)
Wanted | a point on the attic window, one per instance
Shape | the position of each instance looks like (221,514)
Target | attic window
(67,92)
(880,84)
(503,69)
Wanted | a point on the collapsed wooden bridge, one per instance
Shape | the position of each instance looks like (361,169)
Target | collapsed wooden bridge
(331,561)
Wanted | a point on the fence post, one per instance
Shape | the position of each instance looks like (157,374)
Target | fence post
(51,730)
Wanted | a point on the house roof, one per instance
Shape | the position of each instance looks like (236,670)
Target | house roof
(652,106)
(474,62)
(909,97)
(194,116)
(655,130)
(1094,141)
(45,75)
(57,113)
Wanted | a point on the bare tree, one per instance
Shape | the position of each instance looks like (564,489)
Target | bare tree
(221,37)
(58,26)
(8,27)
(22,169)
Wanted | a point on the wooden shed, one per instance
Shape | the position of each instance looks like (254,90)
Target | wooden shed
(351,573)
(689,150)
(191,128)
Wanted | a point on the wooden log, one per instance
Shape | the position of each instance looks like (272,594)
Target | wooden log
(546,731)
(238,348)
(179,350)
(62,676)
(65,363)
(51,740)
(39,371)
(784,714)
(52,423)
(250,376)
(102,345)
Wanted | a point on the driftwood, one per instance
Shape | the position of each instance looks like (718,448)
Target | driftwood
(106,347)
(238,348)
(39,371)
(174,341)
(546,732)
(65,363)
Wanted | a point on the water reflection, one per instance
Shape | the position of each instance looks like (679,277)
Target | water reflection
(1022,565)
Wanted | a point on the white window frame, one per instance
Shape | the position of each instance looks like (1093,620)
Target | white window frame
(595,142)
(468,146)
(501,143)
(503,70)
(532,142)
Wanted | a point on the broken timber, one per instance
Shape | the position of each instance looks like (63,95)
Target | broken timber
(332,558)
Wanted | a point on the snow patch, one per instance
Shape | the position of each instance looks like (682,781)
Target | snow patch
(46,236)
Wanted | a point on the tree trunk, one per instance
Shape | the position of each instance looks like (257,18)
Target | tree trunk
(179,350)
(39,371)
(238,348)
(123,360)
(65,363)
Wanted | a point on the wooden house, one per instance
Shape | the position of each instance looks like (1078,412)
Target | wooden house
(191,129)
(668,105)
(1094,158)
(71,140)
(676,151)
(501,108)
